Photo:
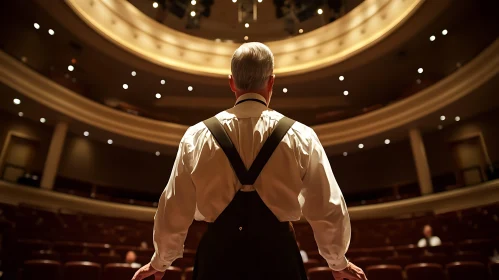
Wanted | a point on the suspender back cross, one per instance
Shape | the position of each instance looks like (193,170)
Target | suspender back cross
(248,177)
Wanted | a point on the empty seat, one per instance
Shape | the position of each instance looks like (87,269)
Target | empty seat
(82,270)
(79,257)
(41,270)
(188,273)
(311,263)
(484,246)
(118,271)
(466,271)
(104,258)
(173,273)
(320,273)
(439,258)
(410,250)
(384,271)
(381,252)
(366,261)
(426,271)
(401,260)
(357,253)
(469,256)
(45,255)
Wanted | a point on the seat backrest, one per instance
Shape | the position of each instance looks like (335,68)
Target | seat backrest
(118,271)
(173,273)
(41,270)
(188,273)
(410,250)
(82,270)
(45,255)
(466,271)
(104,258)
(427,271)
(470,256)
(440,258)
(384,271)
(79,257)
(401,260)
(364,262)
(320,273)
(381,252)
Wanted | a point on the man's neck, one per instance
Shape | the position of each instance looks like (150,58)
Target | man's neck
(264,95)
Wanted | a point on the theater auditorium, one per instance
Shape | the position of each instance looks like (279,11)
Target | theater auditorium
(102,101)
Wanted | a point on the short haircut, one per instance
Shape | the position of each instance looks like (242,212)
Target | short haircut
(251,66)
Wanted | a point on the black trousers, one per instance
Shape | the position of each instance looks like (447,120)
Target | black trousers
(247,242)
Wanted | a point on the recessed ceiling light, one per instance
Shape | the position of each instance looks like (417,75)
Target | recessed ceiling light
(125,86)
(260,1)
(284,90)
(193,13)
(43,120)
(155,5)
(157,153)
(341,78)
(86,133)
(17,101)
(300,31)
(319,11)
(361,146)
(246,38)
(71,68)
(387,141)
(37,26)
(193,2)
(234,1)
(110,141)
(158,95)
(51,32)
(134,73)
(163,82)
(418,81)
(444,32)
(457,118)
(246,25)
(440,127)
(345,93)
(432,38)
(420,70)
(190,88)
(20,114)
(442,118)
(345,154)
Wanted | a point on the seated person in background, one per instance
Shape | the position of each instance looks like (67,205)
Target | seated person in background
(429,240)
(303,254)
(130,258)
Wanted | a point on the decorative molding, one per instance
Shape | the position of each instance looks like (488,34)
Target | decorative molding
(483,194)
(52,95)
(123,24)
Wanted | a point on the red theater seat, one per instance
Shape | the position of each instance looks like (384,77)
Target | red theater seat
(173,273)
(188,253)
(426,271)
(466,271)
(384,272)
(311,263)
(41,270)
(82,271)
(188,273)
(320,273)
(118,271)
(470,256)
(446,248)
(104,258)
(45,255)
(439,258)
(366,261)
(381,252)
(484,246)
(79,257)
(401,260)
(410,250)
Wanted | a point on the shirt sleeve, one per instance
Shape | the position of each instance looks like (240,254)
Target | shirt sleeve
(436,241)
(422,243)
(174,215)
(325,209)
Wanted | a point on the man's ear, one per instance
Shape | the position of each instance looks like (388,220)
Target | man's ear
(270,83)
(232,84)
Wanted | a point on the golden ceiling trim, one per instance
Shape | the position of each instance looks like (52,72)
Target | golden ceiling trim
(465,198)
(123,24)
(464,81)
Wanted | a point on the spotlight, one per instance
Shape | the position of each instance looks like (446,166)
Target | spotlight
(190,88)
(442,118)
(134,73)
(37,26)
(284,90)
(71,68)
(345,93)
(345,154)
(300,31)
(21,114)
(163,82)
(158,95)
(51,32)
(246,38)
(155,5)
(387,141)
(319,11)
(86,133)
(17,101)
(125,86)
(246,25)
(341,78)
(193,2)
(193,13)
(110,141)
(43,120)
(361,146)
(420,70)
(260,1)
(234,1)
(157,153)
(432,38)
(444,32)
(457,118)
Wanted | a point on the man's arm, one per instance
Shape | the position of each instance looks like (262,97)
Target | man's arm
(325,208)
(174,214)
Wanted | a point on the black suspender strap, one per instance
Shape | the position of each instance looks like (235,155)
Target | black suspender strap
(248,177)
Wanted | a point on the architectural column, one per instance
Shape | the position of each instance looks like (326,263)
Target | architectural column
(422,168)
(54,155)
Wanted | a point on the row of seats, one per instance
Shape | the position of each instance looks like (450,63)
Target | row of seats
(47,269)
(420,271)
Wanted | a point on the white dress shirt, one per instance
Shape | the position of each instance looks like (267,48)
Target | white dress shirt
(297,180)
(434,241)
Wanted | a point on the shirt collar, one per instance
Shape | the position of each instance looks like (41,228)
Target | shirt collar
(252,96)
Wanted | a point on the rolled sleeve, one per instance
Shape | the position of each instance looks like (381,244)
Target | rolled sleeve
(325,209)
(174,215)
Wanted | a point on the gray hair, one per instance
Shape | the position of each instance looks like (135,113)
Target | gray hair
(251,66)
